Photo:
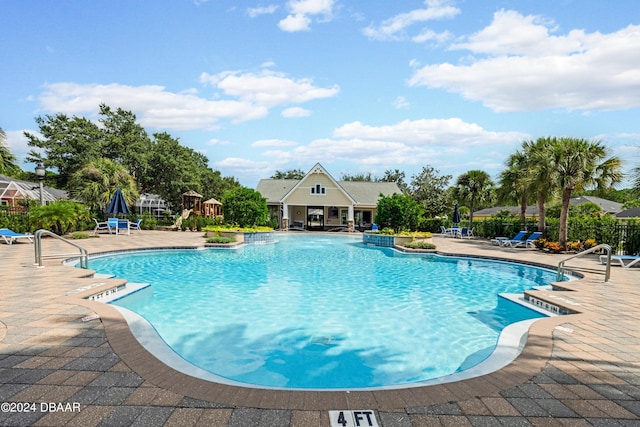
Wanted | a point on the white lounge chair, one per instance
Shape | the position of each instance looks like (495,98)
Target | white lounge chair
(104,225)
(11,236)
(625,261)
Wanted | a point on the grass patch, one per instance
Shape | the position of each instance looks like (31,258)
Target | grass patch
(79,235)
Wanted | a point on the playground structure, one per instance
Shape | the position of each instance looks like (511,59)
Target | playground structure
(191,206)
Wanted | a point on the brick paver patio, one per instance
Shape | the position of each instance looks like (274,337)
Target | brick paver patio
(575,370)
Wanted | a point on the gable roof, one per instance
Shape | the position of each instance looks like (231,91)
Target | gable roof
(629,213)
(359,192)
(318,169)
(12,188)
(607,206)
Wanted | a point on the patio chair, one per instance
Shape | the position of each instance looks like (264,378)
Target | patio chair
(10,236)
(103,225)
(517,238)
(444,231)
(624,261)
(466,232)
(528,242)
(136,225)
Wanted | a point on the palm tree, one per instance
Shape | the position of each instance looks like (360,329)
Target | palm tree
(514,182)
(97,180)
(8,163)
(473,188)
(576,164)
(540,175)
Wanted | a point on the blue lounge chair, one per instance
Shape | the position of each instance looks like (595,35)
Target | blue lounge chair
(136,225)
(10,236)
(516,239)
(528,242)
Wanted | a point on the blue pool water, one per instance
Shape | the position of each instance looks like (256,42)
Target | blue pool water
(318,311)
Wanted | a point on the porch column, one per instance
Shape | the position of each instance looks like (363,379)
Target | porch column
(285,216)
(350,223)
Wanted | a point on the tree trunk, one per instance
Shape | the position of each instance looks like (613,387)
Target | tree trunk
(523,209)
(541,215)
(564,216)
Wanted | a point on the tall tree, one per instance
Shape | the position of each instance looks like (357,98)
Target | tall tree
(362,177)
(578,163)
(473,188)
(430,190)
(96,182)
(396,176)
(8,162)
(124,141)
(66,144)
(289,174)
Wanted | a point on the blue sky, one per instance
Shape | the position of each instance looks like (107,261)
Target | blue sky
(360,86)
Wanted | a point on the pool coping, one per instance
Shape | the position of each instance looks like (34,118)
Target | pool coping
(531,360)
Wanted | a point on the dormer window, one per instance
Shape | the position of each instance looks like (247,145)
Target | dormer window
(318,190)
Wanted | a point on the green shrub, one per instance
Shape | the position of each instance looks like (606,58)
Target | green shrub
(219,239)
(419,244)
(79,235)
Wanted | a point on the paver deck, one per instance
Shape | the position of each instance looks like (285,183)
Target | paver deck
(575,370)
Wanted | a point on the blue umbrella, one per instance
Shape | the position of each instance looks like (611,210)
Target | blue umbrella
(456,215)
(118,204)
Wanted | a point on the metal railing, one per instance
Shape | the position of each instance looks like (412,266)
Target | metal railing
(84,254)
(607,271)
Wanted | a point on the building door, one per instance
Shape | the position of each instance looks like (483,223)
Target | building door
(315,218)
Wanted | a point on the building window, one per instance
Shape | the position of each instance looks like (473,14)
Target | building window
(333,212)
(318,190)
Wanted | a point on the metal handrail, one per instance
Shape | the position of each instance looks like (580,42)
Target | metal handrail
(84,254)
(607,271)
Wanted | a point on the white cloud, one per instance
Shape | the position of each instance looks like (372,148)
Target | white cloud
(530,69)
(301,12)
(401,103)
(262,10)
(429,132)
(393,28)
(18,143)
(295,112)
(448,144)
(250,96)
(268,88)
(155,106)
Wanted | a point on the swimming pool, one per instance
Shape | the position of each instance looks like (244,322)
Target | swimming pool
(324,312)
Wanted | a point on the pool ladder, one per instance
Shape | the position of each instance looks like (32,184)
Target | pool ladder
(84,254)
(607,270)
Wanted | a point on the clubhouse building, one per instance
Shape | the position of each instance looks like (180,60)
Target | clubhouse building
(319,202)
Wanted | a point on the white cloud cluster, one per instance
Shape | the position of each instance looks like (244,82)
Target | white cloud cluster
(262,10)
(393,28)
(443,142)
(267,88)
(250,96)
(519,65)
(302,11)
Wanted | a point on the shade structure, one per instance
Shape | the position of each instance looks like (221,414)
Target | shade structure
(118,205)
(456,215)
